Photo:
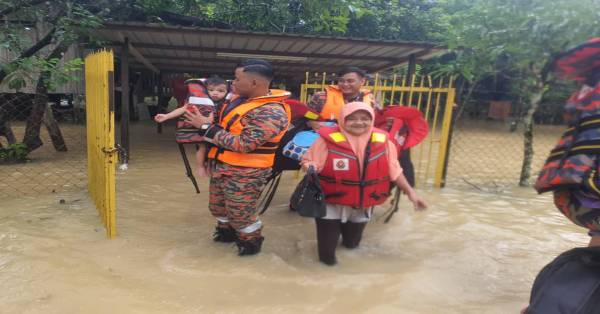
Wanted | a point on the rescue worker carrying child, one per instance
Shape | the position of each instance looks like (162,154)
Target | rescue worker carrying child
(245,139)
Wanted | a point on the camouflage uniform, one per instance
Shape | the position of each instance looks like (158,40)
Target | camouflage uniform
(234,191)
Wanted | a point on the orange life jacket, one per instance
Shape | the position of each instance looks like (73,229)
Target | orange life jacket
(340,178)
(335,101)
(264,155)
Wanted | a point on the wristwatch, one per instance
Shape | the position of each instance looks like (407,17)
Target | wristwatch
(209,131)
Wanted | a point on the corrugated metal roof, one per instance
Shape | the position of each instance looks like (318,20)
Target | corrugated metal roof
(177,48)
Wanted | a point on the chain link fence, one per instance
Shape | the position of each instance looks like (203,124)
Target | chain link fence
(487,153)
(59,164)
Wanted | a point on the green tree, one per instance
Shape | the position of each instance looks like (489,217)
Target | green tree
(414,20)
(63,23)
(520,37)
(297,16)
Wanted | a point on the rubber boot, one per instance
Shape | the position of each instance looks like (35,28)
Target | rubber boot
(225,235)
(249,247)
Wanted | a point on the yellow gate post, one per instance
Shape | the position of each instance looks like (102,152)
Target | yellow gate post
(101,151)
(444,140)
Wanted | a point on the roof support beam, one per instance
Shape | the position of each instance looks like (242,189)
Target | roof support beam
(161,59)
(266,53)
(137,55)
(212,70)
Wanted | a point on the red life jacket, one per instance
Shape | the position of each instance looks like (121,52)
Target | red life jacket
(406,125)
(341,180)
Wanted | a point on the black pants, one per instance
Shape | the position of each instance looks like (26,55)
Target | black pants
(328,235)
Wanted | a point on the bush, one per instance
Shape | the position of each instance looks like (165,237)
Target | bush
(13,153)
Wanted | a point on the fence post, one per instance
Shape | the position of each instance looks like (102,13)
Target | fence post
(444,152)
(412,68)
(447,154)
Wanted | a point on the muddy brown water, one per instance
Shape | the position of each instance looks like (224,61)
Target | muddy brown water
(471,252)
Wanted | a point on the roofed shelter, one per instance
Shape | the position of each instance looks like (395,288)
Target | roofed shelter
(162,49)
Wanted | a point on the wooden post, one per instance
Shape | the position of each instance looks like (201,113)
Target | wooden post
(159,97)
(137,93)
(125,100)
(412,67)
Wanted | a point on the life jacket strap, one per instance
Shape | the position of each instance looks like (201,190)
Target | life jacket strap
(587,123)
(354,183)
(591,147)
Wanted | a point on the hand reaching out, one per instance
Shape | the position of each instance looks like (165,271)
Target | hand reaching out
(160,118)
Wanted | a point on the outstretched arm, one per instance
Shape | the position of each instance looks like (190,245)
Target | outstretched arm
(417,201)
(162,117)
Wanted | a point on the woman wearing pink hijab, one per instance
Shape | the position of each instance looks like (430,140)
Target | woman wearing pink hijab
(357,164)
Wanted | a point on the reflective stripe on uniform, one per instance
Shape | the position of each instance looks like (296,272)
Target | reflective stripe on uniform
(222,219)
(251,228)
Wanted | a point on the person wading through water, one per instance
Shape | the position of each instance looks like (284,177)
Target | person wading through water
(356,164)
(245,139)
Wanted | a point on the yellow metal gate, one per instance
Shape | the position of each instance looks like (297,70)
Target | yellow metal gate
(101,152)
(435,98)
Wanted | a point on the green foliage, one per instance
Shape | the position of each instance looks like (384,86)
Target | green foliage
(515,38)
(416,20)
(13,153)
(296,16)
(67,22)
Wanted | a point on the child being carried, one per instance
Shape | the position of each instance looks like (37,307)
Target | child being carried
(206,96)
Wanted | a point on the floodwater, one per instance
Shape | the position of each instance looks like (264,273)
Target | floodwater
(472,252)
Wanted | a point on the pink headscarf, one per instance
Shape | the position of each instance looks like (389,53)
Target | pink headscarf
(358,143)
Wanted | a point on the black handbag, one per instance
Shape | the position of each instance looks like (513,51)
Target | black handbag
(308,199)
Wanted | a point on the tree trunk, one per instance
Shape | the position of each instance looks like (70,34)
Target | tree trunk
(5,129)
(52,126)
(465,100)
(7,132)
(534,103)
(34,121)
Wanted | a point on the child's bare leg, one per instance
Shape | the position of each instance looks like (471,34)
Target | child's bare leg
(200,161)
